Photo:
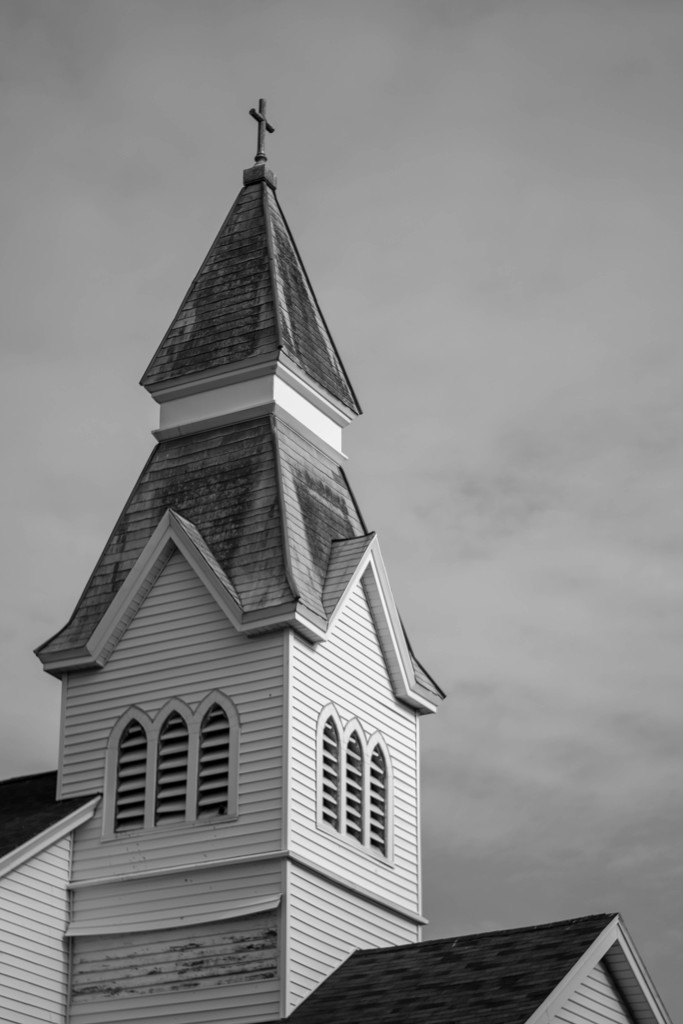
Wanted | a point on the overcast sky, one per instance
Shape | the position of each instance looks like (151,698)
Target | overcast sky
(488,196)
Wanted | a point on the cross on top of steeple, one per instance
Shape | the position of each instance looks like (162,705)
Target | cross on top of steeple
(263,126)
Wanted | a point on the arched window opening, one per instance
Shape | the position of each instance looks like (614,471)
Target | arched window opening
(331,782)
(354,788)
(214,763)
(171,795)
(131,778)
(378,801)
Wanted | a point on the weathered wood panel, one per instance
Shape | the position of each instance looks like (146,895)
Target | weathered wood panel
(163,962)
(595,1001)
(326,924)
(179,644)
(34,908)
(348,671)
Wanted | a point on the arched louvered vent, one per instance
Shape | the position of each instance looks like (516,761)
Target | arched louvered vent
(378,801)
(331,782)
(171,793)
(354,788)
(214,763)
(131,778)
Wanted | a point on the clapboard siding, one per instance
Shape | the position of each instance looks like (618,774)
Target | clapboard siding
(595,1001)
(135,901)
(325,925)
(33,950)
(180,644)
(349,671)
(246,1003)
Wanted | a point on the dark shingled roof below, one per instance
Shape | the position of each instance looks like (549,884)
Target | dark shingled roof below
(28,807)
(489,978)
(251,299)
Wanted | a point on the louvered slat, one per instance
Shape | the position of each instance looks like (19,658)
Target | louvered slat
(354,788)
(331,780)
(214,763)
(171,795)
(378,801)
(132,767)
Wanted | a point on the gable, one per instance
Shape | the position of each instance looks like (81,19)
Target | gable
(179,644)
(359,559)
(594,1001)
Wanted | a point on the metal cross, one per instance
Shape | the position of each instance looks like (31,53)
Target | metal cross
(263,126)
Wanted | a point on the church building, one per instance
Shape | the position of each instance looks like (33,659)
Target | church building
(232,834)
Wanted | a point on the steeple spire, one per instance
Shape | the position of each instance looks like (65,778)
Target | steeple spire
(263,126)
(249,337)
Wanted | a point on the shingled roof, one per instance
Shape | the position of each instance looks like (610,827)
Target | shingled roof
(497,977)
(251,299)
(28,807)
(266,501)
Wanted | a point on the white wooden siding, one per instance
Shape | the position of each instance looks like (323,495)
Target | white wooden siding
(595,1001)
(325,925)
(348,670)
(179,644)
(170,896)
(189,974)
(34,910)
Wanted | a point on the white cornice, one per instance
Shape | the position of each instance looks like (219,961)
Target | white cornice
(253,395)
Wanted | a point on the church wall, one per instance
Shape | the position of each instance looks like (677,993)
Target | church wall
(179,644)
(595,1001)
(349,671)
(164,898)
(34,914)
(195,945)
(325,925)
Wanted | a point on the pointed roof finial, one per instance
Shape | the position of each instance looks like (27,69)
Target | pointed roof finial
(263,126)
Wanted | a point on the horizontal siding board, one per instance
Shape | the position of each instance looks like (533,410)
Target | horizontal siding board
(326,924)
(594,1001)
(348,671)
(179,644)
(174,894)
(182,1009)
(34,904)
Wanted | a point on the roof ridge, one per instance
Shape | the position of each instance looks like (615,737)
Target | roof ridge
(355,404)
(547,925)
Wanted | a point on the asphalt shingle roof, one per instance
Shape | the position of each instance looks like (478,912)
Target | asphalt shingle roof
(489,978)
(28,807)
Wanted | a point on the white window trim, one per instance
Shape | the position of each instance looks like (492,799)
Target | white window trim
(326,714)
(354,727)
(367,746)
(152,727)
(216,697)
(134,713)
(375,741)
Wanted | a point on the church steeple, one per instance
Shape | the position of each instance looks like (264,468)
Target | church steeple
(237,681)
(249,335)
